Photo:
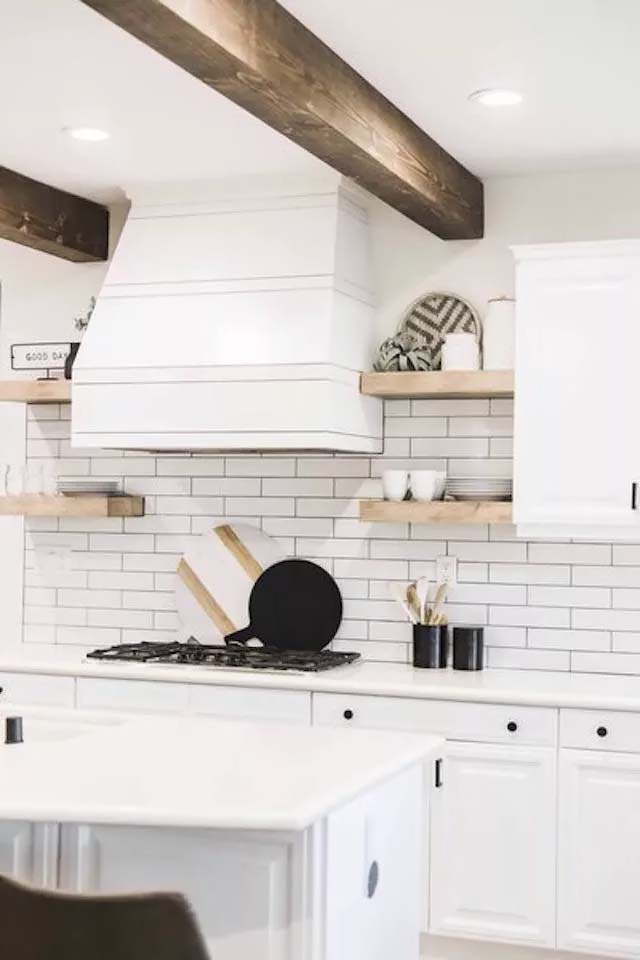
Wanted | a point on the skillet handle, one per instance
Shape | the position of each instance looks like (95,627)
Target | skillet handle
(240,636)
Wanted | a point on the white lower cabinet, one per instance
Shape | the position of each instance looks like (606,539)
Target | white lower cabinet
(599,853)
(346,888)
(493,835)
(28,852)
(237,886)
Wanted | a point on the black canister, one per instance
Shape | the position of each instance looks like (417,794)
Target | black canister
(429,646)
(468,648)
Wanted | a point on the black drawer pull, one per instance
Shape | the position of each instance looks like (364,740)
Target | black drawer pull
(348,714)
(372,879)
(602,731)
(512,726)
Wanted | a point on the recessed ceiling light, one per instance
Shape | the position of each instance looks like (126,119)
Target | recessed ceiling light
(496,98)
(87,134)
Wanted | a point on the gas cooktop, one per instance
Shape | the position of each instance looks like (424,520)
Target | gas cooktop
(226,657)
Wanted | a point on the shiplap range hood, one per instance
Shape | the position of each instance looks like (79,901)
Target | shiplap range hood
(238,322)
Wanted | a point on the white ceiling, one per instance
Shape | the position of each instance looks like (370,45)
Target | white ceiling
(575,61)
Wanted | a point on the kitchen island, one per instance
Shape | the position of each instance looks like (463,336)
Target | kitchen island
(292,843)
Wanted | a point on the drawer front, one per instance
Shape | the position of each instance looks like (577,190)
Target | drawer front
(600,730)
(482,722)
(34,688)
(144,695)
(244,703)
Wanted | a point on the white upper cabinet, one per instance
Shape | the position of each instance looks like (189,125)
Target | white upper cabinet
(576,455)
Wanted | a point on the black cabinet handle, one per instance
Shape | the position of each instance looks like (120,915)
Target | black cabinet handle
(512,726)
(348,714)
(634,496)
(602,731)
(372,879)
(438,773)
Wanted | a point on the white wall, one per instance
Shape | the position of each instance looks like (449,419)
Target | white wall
(533,209)
(40,296)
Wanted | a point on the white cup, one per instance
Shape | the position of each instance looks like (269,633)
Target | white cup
(460,351)
(395,484)
(441,484)
(424,484)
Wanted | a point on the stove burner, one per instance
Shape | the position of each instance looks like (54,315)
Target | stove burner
(237,657)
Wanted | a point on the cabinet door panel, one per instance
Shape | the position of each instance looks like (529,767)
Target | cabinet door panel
(238,886)
(599,851)
(493,837)
(578,339)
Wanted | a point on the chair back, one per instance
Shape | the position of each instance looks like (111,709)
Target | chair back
(41,925)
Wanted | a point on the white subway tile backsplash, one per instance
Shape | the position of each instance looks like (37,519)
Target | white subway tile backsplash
(544,605)
(529,617)
(569,639)
(569,597)
(416,427)
(503,658)
(449,447)
(120,618)
(123,467)
(607,576)
(626,554)
(606,620)
(120,581)
(570,553)
(89,598)
(449,408)
(529,573)
(480,427)
(605,662)
(190,466)
(372,569)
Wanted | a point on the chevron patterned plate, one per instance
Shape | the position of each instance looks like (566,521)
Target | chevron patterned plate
(435,315)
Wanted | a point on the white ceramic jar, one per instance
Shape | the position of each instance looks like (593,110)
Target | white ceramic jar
(460,351)
(498,338)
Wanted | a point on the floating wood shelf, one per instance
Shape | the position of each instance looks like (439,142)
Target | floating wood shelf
(36,391)
(39,505)
(436,511)
(439,383)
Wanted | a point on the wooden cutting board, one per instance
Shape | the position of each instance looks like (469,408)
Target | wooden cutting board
(215,578)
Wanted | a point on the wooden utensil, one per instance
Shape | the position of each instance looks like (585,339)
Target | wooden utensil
(399,594)
(423,586)
(414,602)
(437,603)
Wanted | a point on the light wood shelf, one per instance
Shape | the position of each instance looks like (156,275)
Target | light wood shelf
(439,383)
(436,511)
(40,505)
(36,391)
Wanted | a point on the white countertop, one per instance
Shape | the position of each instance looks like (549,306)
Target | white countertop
(188,772)
(532,687)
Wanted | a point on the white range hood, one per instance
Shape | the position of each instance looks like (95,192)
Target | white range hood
(238,322)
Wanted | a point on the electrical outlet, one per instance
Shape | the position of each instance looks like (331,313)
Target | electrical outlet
(447,570)
(50,561)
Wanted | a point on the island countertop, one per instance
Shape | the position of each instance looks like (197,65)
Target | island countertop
(200,773)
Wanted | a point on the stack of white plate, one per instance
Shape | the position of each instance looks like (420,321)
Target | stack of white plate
(88,486)
(479,488)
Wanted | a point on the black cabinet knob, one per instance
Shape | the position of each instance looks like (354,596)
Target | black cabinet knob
(348,714)
(512,726)
(602,731)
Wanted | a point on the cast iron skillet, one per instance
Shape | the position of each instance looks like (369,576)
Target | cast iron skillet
(294,605)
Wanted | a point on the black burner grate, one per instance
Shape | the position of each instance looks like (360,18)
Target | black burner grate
(238,657)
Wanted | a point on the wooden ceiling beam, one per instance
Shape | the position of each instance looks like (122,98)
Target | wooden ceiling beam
(262,58)
(44,218)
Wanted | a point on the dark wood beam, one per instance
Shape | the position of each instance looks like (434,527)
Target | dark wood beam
(44,218)
(259,56)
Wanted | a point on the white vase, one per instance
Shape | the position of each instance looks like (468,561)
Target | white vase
(498,337)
